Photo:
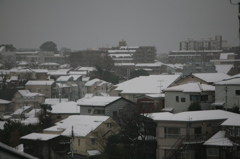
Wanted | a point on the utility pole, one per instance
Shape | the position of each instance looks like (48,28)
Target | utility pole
(226,90)
(72,142)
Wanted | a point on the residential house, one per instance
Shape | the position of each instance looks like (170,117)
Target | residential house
(151,68)
(89,132)
(225,143)
(204,78)
(54,101)
(5,106)
(49,66)
(63,110)
(227,93)
(153,84)
(46,145)
(26,98)
(48,88)
(182,135)
(99,105)
(178,98)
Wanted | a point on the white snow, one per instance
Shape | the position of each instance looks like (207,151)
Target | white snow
(54,101)
(27,93)
(2,101)
(153,84)
(223,68)
(193,115)
(2,123)
(191,87)
(224,56)
(93,152)
(218,139)
(65,108)
(64,78)
(97,101)
(49,64)
(211,77)
(82,125)
(87,69)
(232,121)
(20,110)
(230,81)
(39,136)
(47,83)
(92,82)
(32,113)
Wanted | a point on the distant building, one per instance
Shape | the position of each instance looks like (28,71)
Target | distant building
(198,67)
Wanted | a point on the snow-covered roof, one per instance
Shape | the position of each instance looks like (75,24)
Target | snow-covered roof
(92,82)
(121,51)
(230,81)
(54,101)
(75,77)
(50,64)
(211,77)
(31,120)
(232,121)
(219,139)
(64,78)
(2,101)
(157,64)
(29,52)
(223,68)
(191,87)
(77,72)
(20,110)
(93,152)
(124,64)
(65,108)
(2,123)
(39,136)
(129,47)
(146,84)
(224,56)
(32,113)
(2,48)
(40,70)
(42,83)
(87,69)
(57,73)
(97,101)
(88,95)
(82,125)
(85,79)
(120,55)
(193,115)
(27,93)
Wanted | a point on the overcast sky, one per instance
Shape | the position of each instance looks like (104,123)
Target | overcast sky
(83,24)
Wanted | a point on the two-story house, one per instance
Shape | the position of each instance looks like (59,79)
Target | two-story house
(99,105)
(48,88)
(88,133)
(227,94)
(183,134)
(178,98)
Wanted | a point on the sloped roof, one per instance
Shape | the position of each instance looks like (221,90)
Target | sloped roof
(157,64)
(191,87)
(232,121)
(219,139)
(50,64)
(39,136)
(211,77)
(93,81)
(54,101)
(65,108)
(32,113)
(48,83)
(224,56)
(223,68)
(82,125)
(27,93)
(97,101)
(146,84)
(87,69)
(20,110)
(63,78)
(230,81)
(2,101)
(193,115)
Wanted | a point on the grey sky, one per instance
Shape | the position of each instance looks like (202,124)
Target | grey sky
(82,24)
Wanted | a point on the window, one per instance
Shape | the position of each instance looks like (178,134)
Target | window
(204,98)
(212,151)
(183,99)
(89,111)
(172,132)
(237,92)
(38,90)
(198,131)
(78,142)
(177,99)
(195,98)
(235,131)
(109,125)
(92,141)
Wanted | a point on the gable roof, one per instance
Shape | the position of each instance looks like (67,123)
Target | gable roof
(27,93)
(64,78)
(31,83)
(146,84)
(191,87)
(39,136)
(54,101)
(97,101)
(2,101)
(92,82)
(211,77)
(219,139)
(82,125)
